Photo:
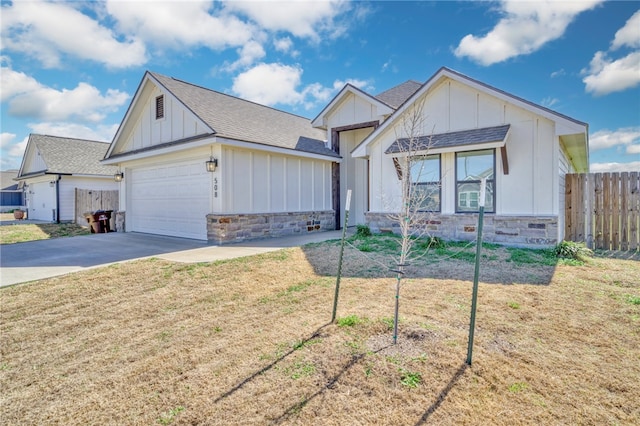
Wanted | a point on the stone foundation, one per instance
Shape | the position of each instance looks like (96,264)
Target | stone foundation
(232,228)
(119,225)
(520,231)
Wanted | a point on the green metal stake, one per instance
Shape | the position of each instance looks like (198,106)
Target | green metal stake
(474,297)
(344,233)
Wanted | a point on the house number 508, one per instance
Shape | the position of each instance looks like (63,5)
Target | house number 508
(215,187)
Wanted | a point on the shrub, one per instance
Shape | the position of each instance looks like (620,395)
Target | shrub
(572,250)
(363,231)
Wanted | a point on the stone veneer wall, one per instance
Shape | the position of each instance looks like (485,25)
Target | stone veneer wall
(522,231)
(230,228)
(120,216)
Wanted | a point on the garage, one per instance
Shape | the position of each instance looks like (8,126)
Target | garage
(170,199)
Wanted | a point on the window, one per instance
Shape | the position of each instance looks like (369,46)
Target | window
(425,177)
(471,167)
(159,107)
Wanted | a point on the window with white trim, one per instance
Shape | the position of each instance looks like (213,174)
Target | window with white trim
(471,167)
(425,178)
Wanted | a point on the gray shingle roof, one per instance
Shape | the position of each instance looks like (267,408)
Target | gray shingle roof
(243,120)
(397,95)
(451,139)
(72,156)
(6,180)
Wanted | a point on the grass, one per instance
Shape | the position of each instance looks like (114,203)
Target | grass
(156,342)
(10,234)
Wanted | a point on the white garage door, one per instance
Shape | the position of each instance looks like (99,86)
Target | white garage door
(170,200)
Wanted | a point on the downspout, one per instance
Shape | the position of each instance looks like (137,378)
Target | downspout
(58,198)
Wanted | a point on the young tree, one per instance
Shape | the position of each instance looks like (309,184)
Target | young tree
(419,191)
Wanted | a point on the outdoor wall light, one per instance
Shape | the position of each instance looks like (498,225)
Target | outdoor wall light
(118,177)
(212,164)
(52,183)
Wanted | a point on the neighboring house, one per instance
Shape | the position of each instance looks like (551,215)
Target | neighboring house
(11,196)
(470,130)
(201,164)
(54,167)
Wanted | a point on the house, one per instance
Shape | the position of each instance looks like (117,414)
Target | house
(197,163)
(468,131)
(11,196)
(201,164)
(54,167)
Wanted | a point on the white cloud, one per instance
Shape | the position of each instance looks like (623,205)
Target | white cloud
(606,75)
(11,152)
(549,102)
(103,132)
(525,27)
(558,73)
(48,31)
(366,85)
(270,84)
(603,139)
(248,55)
(632,166)
(6,138)
(274,83)
(304,19)
(14,83)
(29,98)
(176,24)
(629,35)
(283,44)
(633,149)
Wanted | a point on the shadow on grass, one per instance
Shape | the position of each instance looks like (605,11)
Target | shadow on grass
(374,257)
(442,395)
(295,408)
(268,367)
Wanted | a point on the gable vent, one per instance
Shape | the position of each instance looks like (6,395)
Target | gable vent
(159,107)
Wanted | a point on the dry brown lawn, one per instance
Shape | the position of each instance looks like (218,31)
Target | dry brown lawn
(247,342)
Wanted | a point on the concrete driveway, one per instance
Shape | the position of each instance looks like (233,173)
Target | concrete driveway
(35,260)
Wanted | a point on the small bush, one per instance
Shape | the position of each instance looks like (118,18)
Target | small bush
(572,250)
(363,231)
(349,321)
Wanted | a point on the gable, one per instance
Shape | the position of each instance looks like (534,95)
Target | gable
(453,102)
(142,128)
(351,105)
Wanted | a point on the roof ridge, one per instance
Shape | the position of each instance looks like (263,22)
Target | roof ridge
(68,137)
(230,96)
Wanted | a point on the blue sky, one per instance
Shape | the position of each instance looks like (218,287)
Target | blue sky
(71,68)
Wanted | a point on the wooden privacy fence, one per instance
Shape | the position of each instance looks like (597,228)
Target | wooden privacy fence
(91,200)
(603,210)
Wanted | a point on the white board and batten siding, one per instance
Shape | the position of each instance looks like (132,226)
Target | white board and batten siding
(531,147)
(262,182)
(178,123)
(353,171)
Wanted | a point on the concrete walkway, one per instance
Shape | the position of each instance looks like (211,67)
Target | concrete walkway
(35,260)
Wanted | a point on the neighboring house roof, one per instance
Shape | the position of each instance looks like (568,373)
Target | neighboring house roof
(573,132)
(67,156)
(399,94)
(238,119)
(438,142)
(7,182)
